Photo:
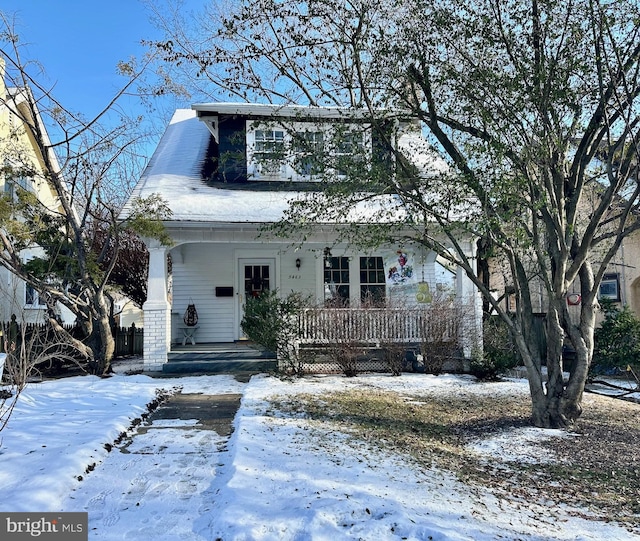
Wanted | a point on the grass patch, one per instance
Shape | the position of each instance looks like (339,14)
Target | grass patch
(597,468)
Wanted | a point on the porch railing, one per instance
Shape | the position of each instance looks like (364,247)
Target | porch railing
(377,326)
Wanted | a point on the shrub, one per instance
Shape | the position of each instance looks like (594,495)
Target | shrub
(341,335)
(499,353)
(393,356)
(272,322)
(441,325)
(346,354)
(617,340)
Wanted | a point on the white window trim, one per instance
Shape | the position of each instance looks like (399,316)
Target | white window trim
(287,169)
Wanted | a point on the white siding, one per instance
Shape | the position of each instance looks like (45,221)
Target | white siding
(300,280)
(201,269)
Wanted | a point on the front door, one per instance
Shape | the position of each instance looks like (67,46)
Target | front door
(256,276)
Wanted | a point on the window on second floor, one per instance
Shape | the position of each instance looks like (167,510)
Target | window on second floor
(349,151)
(270,142)
(309,153)
(610,287)
(306,151)
(269,149)
(14,180)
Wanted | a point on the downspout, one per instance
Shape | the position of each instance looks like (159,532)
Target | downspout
(623,277)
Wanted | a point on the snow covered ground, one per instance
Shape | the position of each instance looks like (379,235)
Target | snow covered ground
(276,478)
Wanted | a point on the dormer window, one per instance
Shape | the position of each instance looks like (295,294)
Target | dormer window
(269,144)
(350,143)
(269,149)
(309,153)
(349,150)
(305,151)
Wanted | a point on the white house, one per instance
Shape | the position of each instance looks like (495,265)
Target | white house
(225,170)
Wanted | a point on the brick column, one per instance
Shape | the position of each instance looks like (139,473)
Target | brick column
(157,311)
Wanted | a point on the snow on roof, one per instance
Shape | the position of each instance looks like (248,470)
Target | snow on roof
(175,172)
(281,111)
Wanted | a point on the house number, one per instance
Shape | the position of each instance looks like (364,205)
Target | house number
(294,277)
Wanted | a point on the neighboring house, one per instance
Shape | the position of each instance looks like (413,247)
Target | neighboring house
(620,283)
(225,171)
(127,313)
(18,152)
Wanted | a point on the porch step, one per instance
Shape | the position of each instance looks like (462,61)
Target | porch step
(218,359)
(254,366)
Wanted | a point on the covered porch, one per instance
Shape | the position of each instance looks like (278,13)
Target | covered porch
(218,270)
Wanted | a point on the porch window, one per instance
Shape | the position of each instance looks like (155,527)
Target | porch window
(610,287)
(336,281)
(372,280)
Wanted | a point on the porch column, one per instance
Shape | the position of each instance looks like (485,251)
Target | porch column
(157,311)
(469,296)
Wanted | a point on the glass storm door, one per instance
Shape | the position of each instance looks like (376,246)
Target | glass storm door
(256,276)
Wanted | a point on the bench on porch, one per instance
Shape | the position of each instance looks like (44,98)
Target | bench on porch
(189,333)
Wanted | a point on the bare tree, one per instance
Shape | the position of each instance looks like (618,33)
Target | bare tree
(89,168)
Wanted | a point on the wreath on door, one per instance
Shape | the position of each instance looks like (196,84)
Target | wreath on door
(190,315)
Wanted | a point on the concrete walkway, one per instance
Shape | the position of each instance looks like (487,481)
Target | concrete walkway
(159,479)
(212,412)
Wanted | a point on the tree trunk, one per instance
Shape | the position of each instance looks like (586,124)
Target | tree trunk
(551,412)
(102,341)
(99,336)
(557,403)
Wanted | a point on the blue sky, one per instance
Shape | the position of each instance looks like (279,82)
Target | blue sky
(79,43)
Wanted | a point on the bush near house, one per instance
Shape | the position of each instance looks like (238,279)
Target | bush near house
(271,322)
(617,340)
(499,352)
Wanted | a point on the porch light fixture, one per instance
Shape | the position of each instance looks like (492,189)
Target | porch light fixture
(298,263)
(327,258)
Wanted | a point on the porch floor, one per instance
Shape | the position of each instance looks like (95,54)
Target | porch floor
(219,358)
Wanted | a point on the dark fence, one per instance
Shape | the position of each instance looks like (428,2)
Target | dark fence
(128,340)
